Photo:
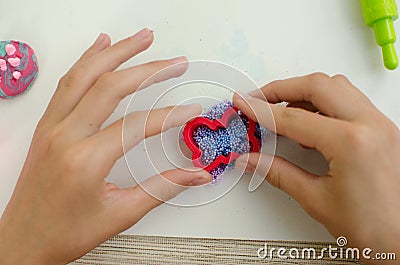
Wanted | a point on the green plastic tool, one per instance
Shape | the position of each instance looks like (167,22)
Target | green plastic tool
(380,15)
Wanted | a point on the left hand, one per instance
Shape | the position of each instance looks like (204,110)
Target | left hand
(62,207)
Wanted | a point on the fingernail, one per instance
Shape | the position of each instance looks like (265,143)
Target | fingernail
(190,110)
(239,165)
(99,39)
(250,169)
(243,96)
(246,168)
(243,164)
(255,92)
(179,59)
(143,34)
(192,106)
(200,181)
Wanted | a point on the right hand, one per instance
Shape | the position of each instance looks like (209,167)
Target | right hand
(359,197)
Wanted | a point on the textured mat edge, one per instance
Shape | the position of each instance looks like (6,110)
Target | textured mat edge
(154,250)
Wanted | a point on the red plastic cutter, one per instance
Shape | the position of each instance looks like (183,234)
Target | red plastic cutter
(214,125)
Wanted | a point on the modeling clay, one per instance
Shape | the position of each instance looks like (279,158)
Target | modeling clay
(219,136)
(18,68)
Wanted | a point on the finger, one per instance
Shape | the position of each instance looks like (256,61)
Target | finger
(139,125)
(296,182)
(138,201)
(302,105)
(110,89)
(111,58)
(102,42)
(309,129)
(335,96)
(84,73)
(305,106)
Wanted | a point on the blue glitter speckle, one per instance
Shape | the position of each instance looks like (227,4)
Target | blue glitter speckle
(224,141)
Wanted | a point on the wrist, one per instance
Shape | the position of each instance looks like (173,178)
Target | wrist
(17,246)
(382,235)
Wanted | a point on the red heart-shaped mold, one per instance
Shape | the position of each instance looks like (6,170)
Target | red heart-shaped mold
(214,125)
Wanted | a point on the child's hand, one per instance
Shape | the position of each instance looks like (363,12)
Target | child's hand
(359,198)
(62,207)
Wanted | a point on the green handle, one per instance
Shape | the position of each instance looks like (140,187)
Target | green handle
(380,14)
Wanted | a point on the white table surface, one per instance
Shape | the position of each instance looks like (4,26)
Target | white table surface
(266,39)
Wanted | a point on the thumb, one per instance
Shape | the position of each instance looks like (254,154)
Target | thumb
(281,174)
(139,200)
(167,185)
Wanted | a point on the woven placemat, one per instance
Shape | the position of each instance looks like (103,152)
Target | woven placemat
(154,250)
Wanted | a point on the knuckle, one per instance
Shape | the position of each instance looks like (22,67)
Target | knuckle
(168,120)
(317,82)
(65,80)
(105,81)
(287,116)
(273,178)
(74,161)
(360,139)
(274,174)
(318,77)
(138,116)
(290,113)
(103,85)
(71,78)
(158,71)
(53,139)
(167,193)
(340,77)
(275,84)
(157,64)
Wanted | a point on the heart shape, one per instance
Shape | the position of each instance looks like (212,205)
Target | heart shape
(216,143)
(14,62)
(16,75)
(10,49)
(18,68)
